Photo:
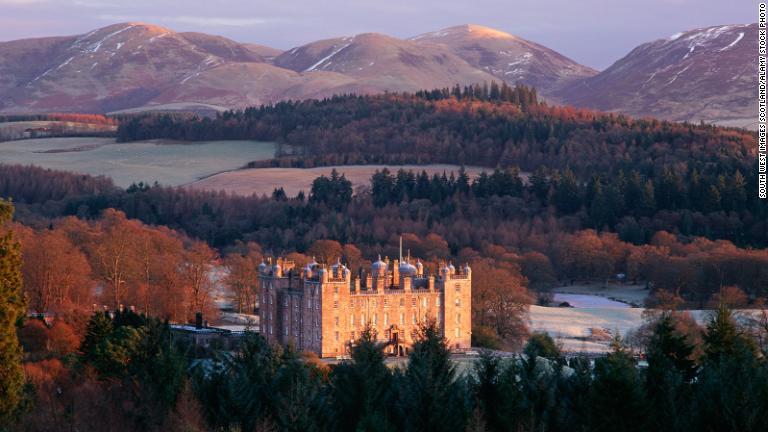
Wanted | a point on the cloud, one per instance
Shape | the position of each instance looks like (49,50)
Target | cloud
(21,2)
(221,21)
(194,20)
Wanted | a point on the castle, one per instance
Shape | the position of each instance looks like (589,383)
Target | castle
(323,309)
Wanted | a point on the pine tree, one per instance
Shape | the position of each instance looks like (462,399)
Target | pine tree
(731,390)
(567,196)
(431,399)
(723,336)
(99,328)
(670,371)
(12,307)
(361,388)
(617,398)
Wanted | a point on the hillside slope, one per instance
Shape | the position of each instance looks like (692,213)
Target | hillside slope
(508,57)
(704,74)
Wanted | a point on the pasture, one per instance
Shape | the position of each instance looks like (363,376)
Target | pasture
(166,162)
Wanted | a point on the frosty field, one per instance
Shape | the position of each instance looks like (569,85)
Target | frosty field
(167,162)
(262,181)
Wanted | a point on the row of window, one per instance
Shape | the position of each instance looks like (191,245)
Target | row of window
(375,318)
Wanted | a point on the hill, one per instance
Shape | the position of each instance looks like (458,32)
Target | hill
(703,74)
(507,57)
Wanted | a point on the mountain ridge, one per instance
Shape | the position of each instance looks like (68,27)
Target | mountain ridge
(134,65)
(698,74)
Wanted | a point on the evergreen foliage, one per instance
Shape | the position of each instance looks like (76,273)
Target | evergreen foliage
(12,309)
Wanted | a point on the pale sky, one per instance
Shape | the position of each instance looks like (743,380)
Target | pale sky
(593,32)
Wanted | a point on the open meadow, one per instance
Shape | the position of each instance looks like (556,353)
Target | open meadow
(262,181)
(166,162)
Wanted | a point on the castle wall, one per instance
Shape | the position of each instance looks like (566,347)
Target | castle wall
(324,314)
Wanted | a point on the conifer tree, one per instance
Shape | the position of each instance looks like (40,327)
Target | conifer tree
(99,328)
(12,305)
(431,399)
(617,399)
(670,371)
(731,390)
(361,388)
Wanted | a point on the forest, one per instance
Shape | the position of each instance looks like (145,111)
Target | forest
(611,172)
(130,369)
(74,369)
(569,195)
(497,217)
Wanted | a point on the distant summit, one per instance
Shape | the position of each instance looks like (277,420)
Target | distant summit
(703,74)
(509,58)
(699,74)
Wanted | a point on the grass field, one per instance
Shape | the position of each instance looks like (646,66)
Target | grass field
(10,131)
(168,163)
(264,180)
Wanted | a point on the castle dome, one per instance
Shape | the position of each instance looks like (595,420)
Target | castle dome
(338,269)
(407,268)
(445,270)
(378,267)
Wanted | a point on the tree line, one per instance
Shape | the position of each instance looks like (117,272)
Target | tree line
(457,126)
(130,369)
(493,216)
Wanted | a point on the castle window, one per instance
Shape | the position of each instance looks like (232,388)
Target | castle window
(457,332)
(270,329)
(352,319)
(375,318)
(373,302)
(336,289)
(285,330)
(337,321)
(458,302)
(414,318)
(351,304)
(402,318)
(458,318)
(413,301)
(335,304)
(458,288)
(336,335)
(362,319)
(402,302)
(437,316)
(437,301)
(386,302)
(285,302)
(352,336)
(386,318)
(425,302)
(309,303)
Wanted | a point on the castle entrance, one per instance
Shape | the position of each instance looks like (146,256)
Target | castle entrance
(394,341)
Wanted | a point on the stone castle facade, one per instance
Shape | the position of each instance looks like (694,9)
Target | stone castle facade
(324,309)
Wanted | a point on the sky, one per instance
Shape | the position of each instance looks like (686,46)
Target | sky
(593,32)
